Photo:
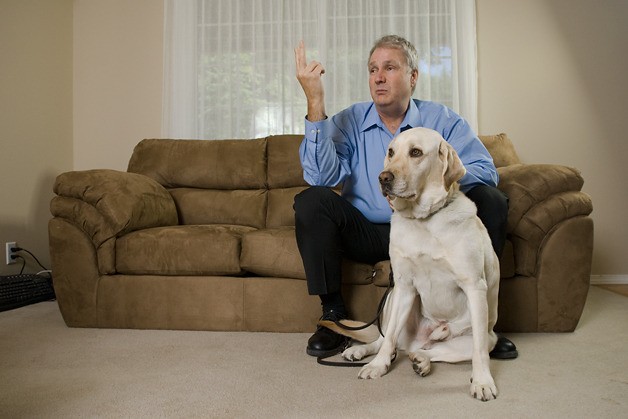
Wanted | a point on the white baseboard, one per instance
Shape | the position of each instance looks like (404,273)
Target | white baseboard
(609,279)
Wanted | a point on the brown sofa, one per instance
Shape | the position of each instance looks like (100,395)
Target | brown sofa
(199,235)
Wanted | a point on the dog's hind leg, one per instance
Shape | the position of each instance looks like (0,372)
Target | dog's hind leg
(455,350)
(440,333)
(421,363)
(458,349)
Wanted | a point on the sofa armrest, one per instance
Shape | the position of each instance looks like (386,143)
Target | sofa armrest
(106,204)
(529,184)
(541,196)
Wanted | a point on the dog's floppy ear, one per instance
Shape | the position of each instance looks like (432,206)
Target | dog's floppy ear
(453,168)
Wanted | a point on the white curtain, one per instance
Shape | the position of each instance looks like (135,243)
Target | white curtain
(229,67)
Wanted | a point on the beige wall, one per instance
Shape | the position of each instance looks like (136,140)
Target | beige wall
(35,118)
(118,73)
(552,75)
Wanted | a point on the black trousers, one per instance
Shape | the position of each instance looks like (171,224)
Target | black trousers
(329,228)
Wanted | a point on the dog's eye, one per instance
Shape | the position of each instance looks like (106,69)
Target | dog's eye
(415,152)
(391,153)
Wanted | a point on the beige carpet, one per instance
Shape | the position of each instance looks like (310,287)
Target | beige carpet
(49,370)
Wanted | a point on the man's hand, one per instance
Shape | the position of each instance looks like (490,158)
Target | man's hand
(309,76)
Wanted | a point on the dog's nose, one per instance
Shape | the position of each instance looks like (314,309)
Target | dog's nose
(385,178)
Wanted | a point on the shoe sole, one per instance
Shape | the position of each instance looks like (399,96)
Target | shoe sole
(504,355)
(329,352)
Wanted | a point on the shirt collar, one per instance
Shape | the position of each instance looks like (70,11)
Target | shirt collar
(411,120)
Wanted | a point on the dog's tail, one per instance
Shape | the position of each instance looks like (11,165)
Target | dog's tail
(355,330)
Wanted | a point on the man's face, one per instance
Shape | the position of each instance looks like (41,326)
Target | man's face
(390,78)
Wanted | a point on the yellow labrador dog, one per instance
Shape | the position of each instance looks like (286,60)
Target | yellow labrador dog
(440,250)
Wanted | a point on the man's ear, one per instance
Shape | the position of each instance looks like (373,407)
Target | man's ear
(414,78)
(453,169)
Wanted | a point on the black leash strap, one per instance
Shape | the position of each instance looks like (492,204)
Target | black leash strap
(323,361)
(380,308)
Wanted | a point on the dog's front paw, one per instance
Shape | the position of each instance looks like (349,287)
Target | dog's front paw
(373,369)
(484,391)
(355,353)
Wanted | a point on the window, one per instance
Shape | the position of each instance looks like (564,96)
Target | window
(230,72)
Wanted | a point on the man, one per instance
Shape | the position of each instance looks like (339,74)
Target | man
(349,148)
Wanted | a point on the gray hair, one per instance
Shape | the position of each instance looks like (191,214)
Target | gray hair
(395,41)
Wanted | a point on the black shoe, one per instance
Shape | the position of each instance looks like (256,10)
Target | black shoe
(324,342)
(504,349)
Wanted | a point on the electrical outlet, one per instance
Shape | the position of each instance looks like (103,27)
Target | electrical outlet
(10,253)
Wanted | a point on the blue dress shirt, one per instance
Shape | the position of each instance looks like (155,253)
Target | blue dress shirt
(350,147)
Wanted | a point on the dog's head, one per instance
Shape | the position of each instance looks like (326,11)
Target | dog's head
(420,170)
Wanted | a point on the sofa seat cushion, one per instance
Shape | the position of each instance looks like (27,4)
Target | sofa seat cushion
(273,252)
(181,250)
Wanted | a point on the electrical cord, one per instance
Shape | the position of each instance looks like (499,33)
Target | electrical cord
(20,249)
(19,257)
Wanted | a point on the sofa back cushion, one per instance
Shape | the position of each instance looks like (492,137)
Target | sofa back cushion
(216,164)
(212,206)
(285,179)
(501,149)
(211,182)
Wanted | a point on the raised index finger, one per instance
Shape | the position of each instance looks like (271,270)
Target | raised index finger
(299,55)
